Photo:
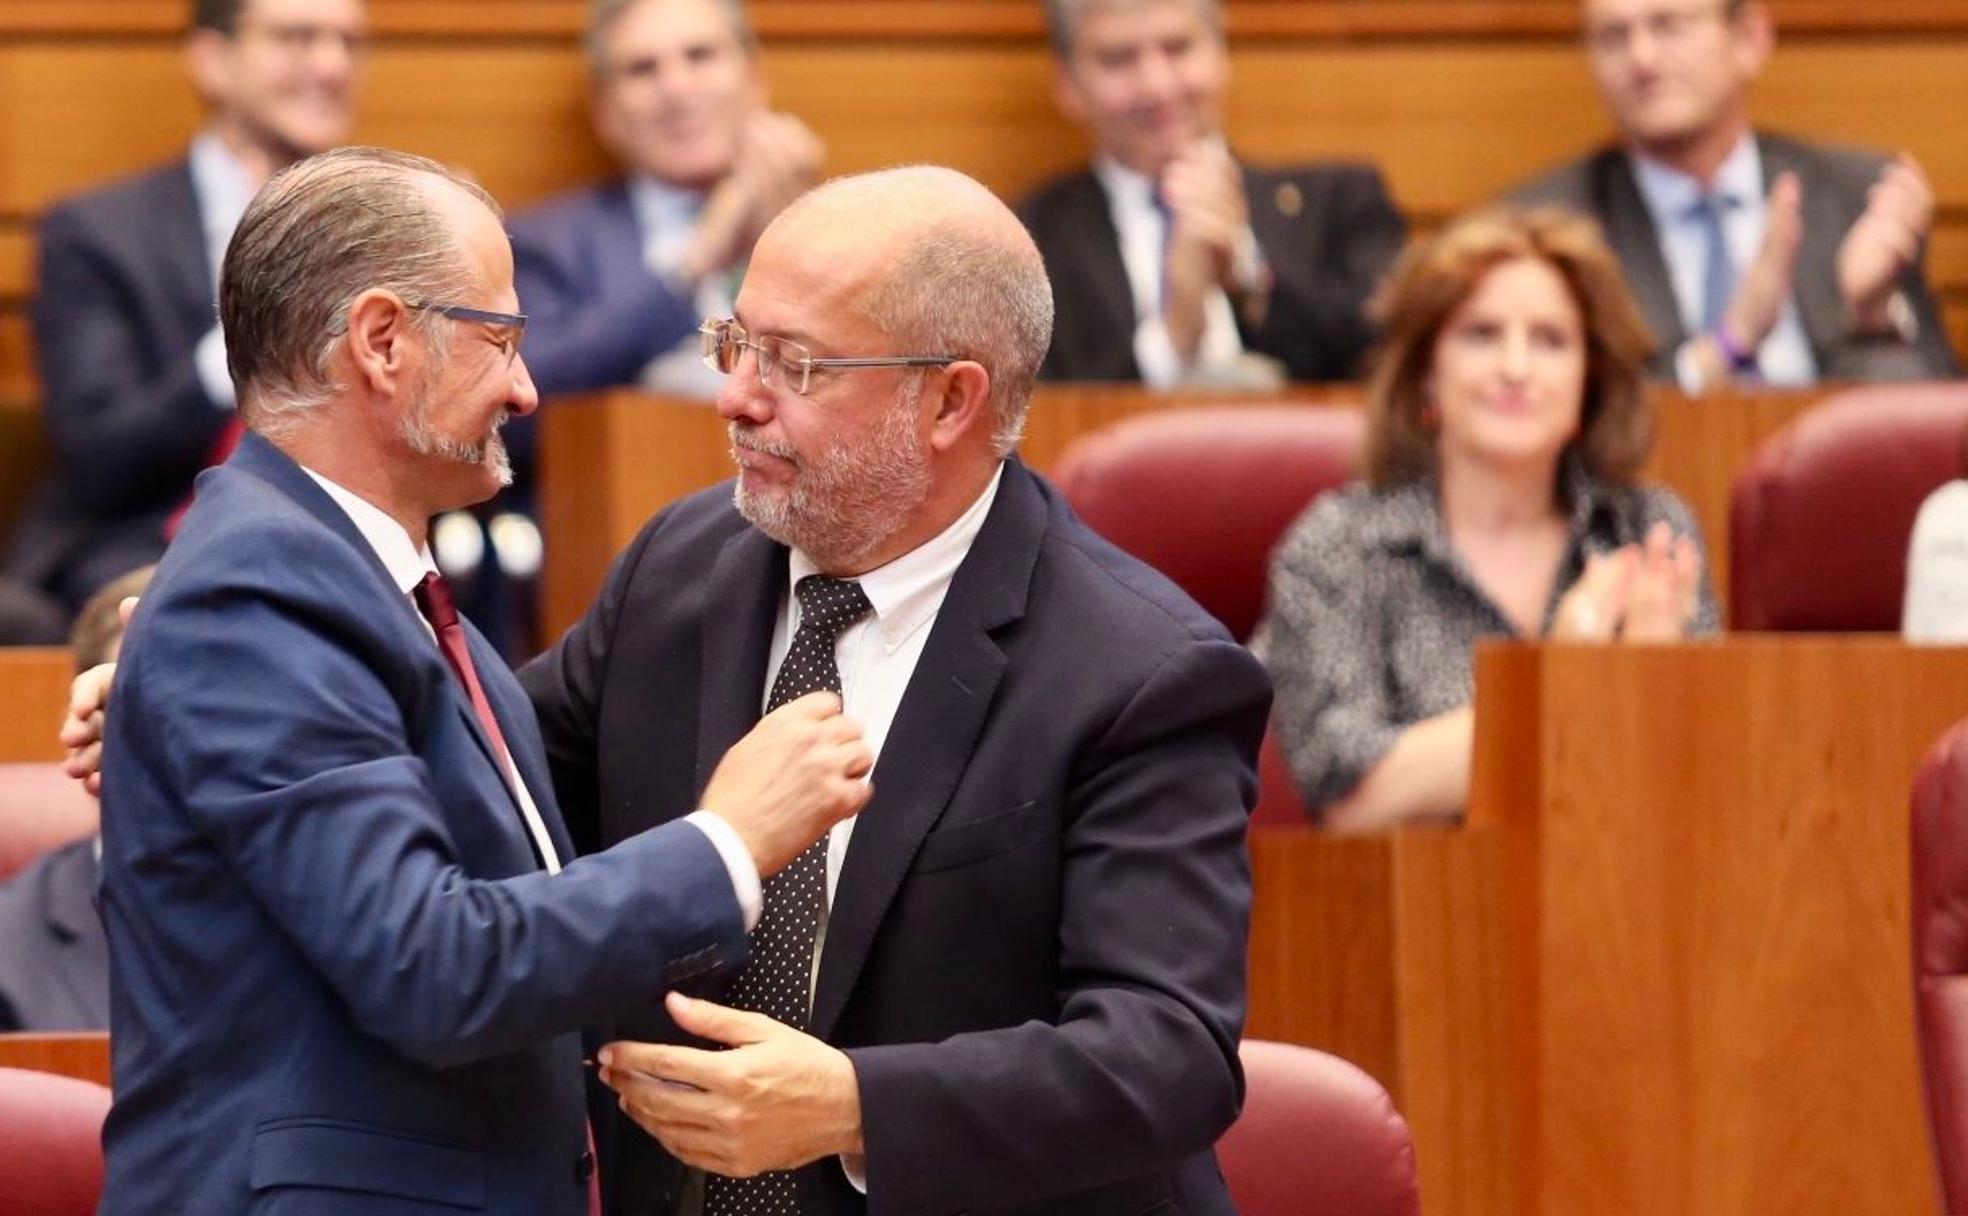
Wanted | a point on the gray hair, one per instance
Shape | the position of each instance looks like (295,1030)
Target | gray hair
(1063,17)
(603,15)
(963,290)
(322,232)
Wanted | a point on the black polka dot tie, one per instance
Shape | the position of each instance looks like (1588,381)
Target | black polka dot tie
(777,980)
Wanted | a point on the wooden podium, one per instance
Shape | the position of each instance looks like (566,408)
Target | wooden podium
(1665,967)
(611,460)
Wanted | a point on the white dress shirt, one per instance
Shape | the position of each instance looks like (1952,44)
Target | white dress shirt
(408,563)
(224,189)
(1936,609)
(1670,196)
(1143,232)
(666,216)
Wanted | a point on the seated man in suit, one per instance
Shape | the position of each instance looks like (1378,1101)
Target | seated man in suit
(349,943)
(1174,263)
(1017,980)
(127,341)
(616,278)
(54,968)
(1754,256)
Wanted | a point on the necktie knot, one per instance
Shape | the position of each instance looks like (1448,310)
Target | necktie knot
(433,596)
(830,605)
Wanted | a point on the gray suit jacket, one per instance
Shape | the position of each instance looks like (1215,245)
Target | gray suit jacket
(54,968)
(1835,181)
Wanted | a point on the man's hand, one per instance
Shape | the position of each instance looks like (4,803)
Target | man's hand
(1766,283)
(776,1101)
(1884,242)
(1209,222)
(82,728)
(779,159)
(800,771)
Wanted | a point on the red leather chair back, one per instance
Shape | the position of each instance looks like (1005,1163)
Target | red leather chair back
(1317,1135)
(40,807)
(1204,494)
(1940,953)
(1820,518)
(50,1143)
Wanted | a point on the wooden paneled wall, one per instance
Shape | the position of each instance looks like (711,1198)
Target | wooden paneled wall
(1456,99)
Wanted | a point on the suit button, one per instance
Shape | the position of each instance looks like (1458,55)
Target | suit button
(584,1168)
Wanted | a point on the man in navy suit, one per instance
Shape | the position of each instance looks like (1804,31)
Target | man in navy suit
(349,944)
(1174,263)
(616,277)
(1018,982)
(127,342)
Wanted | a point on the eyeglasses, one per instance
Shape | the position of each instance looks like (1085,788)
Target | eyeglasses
(724,342)
(508,327)
(1670,26)
(299,38)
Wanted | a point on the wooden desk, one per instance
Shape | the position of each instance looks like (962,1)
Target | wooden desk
(1665,967)
(84,1054)
(610,461)
(34,684)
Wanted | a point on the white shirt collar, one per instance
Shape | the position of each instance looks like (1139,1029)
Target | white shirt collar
(1671,194)
(666,216)
(907,592)
(406,561)
(224,189)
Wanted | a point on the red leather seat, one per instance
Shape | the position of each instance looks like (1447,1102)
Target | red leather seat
(1940,953)
(1317,1136)
(1204,494)
(1820,518)
(40,807)
(50,1143)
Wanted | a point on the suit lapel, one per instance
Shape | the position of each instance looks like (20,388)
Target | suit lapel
(935,731)
(1815,284)
(180,241)
(742,602)
(1630,231)
(614,231)
(1097,255)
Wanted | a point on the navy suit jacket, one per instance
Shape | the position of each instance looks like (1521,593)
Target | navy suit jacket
(54,968)
(1035,955)
(123,297)
(1328,232)
(1835,181)
(340,980)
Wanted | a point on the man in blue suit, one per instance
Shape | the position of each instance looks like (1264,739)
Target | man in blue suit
(349,944)
(617,277)
(127,342)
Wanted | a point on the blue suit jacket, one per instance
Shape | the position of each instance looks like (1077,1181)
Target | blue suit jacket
(1035,957)
(340,980)
(124,294)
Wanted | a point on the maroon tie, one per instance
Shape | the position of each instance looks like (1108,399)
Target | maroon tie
(433,597)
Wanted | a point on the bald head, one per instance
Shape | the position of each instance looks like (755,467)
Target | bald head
(939,264)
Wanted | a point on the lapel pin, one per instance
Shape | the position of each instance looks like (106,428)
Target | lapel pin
(1290,200)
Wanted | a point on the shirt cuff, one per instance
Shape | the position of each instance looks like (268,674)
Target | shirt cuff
(1218,355)
(1687,371)
(737,863)
(856,1169)
(213,374)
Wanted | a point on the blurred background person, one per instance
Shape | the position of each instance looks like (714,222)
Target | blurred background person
(1753,255)
(54,965)
(616,278)
(1936,605)
(132,364)
(1172,262)
(1506,419)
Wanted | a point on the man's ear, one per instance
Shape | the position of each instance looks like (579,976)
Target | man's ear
(207,55)
(963,406)
(376,344)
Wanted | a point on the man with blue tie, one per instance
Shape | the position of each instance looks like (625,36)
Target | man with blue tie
(350,944)
(1754,256)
